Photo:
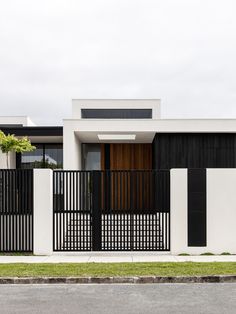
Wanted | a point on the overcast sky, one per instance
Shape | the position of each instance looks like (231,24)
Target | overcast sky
(182,51)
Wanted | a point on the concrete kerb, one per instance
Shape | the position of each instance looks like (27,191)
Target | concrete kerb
(118,280)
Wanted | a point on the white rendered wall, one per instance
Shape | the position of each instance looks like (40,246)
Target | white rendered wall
(221,212)
(3,161)
(71,148)
(87,130)
(43,212)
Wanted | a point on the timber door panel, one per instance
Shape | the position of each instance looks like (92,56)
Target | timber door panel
(130,156)
(128,191)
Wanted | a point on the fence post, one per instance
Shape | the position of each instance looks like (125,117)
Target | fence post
(178,211)
(43,212)
(96,211)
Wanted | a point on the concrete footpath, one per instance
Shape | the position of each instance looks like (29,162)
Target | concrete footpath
(108,257)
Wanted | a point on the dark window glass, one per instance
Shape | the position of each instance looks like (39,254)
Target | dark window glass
(116,113)
(34,159)
(45,156)
(53,157)
(91,156)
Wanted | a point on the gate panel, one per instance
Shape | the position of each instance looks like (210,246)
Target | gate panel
(16,210)
(72,203)
(111,210)
(136,211)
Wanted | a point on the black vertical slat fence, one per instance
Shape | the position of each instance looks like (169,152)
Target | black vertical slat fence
(72,207)
(111,210)
(135,216)
(16,210)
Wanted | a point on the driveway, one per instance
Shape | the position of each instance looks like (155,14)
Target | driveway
(116,299)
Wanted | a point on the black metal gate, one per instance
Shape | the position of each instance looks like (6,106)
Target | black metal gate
(111,210)
(16,210)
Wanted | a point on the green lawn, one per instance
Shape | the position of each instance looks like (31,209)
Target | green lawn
(118,269)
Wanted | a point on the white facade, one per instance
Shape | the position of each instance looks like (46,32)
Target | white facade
(78,130)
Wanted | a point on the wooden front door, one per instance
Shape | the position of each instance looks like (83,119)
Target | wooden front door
(130,156)
(128,189)
(126,156)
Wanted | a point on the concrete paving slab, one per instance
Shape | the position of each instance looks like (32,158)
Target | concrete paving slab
(154,258)
(67,259)
(22,259)
(111,259)
(116,257)
(207,259)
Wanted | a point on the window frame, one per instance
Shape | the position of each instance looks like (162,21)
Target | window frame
(19,155)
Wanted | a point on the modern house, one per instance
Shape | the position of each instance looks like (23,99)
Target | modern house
(112,183)
(107,134)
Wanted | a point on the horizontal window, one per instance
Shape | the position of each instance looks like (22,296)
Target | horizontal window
(116,113)
(44,156)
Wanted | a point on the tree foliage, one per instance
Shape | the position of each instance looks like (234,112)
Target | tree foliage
(10,143)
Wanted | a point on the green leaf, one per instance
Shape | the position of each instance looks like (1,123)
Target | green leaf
(10,143)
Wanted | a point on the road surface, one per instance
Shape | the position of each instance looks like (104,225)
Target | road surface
(117,299)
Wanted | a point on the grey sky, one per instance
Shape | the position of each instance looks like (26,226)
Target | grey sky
(182,51)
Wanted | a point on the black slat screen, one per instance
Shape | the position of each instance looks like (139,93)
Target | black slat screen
(197,207)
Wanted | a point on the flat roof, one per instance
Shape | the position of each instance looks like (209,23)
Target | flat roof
(33,130)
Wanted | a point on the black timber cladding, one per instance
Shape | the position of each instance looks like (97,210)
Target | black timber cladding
(116,113)
(197,220)
(194,150)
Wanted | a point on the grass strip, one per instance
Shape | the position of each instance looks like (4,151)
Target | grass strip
(117,269)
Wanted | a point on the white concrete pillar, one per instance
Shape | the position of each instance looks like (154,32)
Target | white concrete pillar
(179,215)
(3,160)
(178,210)
(43,211)
(221,210)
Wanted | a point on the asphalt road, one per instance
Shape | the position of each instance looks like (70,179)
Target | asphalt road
(114,299)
